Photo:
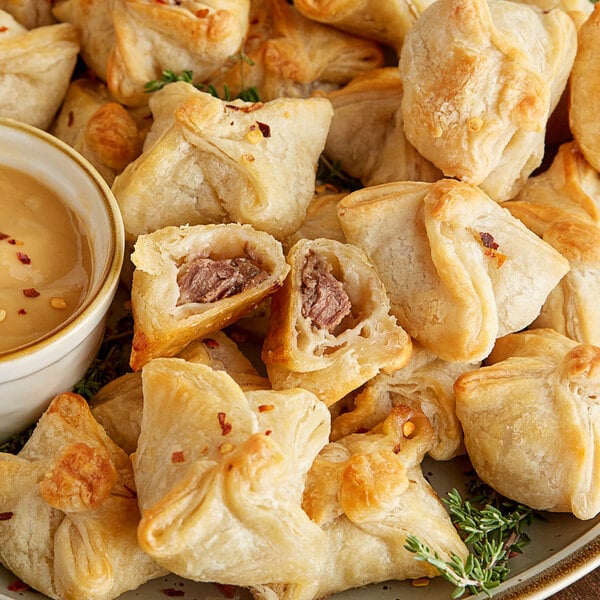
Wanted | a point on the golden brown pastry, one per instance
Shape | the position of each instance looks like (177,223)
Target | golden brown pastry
(460,271)
(210,161)
(578,10)
(366,136)
(386,21)
(478,90)
(530,422)
(70,512)
(585,90)
(117,406)
(368,493)
(220,475)
(30,13)
(92,19)
(188,35)
(425,383)
(192,281)
(35,69)
(294,56)
(330,328)
(99,128)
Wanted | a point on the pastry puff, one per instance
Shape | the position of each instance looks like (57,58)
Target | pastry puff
(35,69)
(459,269)
(531,421)
(366,135)
(386,21)
(211,161)
(426,383)
(220,475)
(330,329)
(117,406)
(99,128)
(30,13)
(70,513)
(294,56)
(584,90)
(368,493)
(478,90)
(191,281)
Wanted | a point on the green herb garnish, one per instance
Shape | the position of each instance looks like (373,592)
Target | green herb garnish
(493,531)
(331,173)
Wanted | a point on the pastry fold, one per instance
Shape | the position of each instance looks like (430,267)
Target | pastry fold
(35,69)
(220,475)
(29,13)
(330,329)
(459,270)
(210,161)
(191,281)
(72,510)
(530,421)
(293,56)
(367,493)
(478,90)
(366,136)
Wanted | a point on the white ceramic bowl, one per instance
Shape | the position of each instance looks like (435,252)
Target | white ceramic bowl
(32,375)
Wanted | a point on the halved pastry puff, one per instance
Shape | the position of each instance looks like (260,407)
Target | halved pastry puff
(368,493)
(531,421)
(210,161)
(459,269)
(478,91)
(220,475)
(190,281)
(117,406)
(35,69)
(330,328)
(69,509)
(426,383)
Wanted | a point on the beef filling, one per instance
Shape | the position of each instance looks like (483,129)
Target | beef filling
(324,300)
(206,280)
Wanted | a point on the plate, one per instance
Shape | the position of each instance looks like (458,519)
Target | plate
(562,549)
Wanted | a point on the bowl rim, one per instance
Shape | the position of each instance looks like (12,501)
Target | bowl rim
(111,272)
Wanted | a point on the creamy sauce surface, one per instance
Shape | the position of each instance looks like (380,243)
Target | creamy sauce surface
(45,260)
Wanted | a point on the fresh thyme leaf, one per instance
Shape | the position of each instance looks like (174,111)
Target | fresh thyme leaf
(331,173)
(492,527)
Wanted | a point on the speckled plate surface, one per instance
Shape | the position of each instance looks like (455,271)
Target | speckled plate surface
(562,550)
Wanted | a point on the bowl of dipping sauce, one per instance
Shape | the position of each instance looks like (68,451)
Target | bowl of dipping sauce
(61,253)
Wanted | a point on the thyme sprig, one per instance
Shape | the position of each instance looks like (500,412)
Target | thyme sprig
(329,172)
(492,527)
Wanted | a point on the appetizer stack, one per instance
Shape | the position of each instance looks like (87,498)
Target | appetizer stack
(444,302)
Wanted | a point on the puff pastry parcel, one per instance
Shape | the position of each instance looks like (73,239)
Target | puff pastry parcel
(330,328)
(30,13)
(210,161)
(368,493)
(70,512)
(531,421)
(478,90)
(294,56)
(190,281)
(35,69)
(459,269)
(366,135)
(220,475)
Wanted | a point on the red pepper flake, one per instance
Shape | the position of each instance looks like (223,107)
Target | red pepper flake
(265,407)
(3,236)
(178,457)
(246,108)
(397,449)
(228,591)
(18,586)
(210,343)
(31,293)
(225,427)
(173,593)
(12,241)
(264,129)
(22,311)
(5,516)
(202,13)
(24,258)
(3,28)
(487,239)
(268,432)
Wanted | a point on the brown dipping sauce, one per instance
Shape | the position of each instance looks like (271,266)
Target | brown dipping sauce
(45,260)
